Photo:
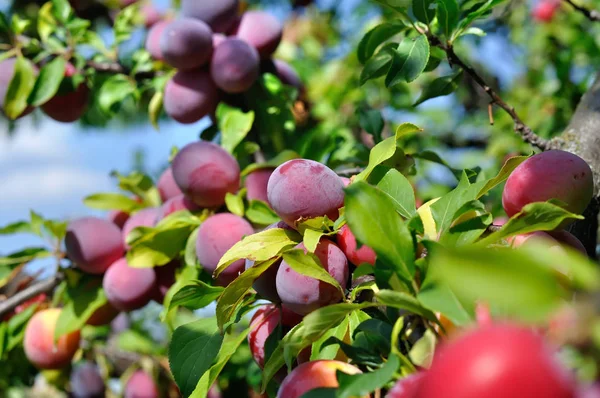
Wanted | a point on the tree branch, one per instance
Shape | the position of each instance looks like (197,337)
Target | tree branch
(592,15)
(520,127)
(117,68)
(44,286)
(349,172)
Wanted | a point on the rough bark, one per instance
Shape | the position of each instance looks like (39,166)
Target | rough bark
(582,137)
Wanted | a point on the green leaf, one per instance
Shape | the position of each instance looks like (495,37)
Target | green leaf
(404,301)
(24,256)
(435,158)
(379,154)
(329,351)
(19,227)
(190,257)
(192,350)
(369,213)
(195,295)
(140,185)
(440,298)
(155,107)
(112,201)
(46,23)
(114,91)
(475,274)
(235,203)
(311,239)
(362,384)
(448,14)
(423,11)
(261,246)
(82,301)
(540,216)
(234,125)
(187,275)
(421,353)
(439,87)
(309,265)
(406,129)
(409,61)
(507,169)
(48,82)
(258,212)
(401,191)
(375,37)
(137,341)
(482,11)
(230,346)
(61,10)
(19,88)
(372,122)
(234,293)
(378,65)
(398,6)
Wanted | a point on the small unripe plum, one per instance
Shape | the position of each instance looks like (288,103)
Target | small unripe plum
(190,96)
(256,184)
(93,244)
(406,387)
(103,315)
(206,173)
(544,10)
(186,43)
(118,217)
(141,385)
(86,381)
(7,70)
(216,235)
(549,175)
(288,75)
(153,39)
(347,242)
(302,188)
(167,187)
(303,294)
(143,218)
(178,203)
(39,341)
(261,30)
(219,14)
(235,66)
(70,106)
(263,324)
(311,375)
(496,362)
(129,288)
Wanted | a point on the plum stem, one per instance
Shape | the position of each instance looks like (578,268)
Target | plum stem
(592,15)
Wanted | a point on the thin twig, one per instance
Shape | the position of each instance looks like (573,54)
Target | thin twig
(44,286)
(592,15)
(117,68)
(520,127)
(349,172)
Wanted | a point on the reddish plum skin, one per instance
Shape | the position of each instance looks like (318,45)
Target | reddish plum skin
(346,181)
(407,387)
(288,75)
(119,218)
(39,344)
(165,278)
(347,242)
(178,203)
(153,39)
(206,173)
(496,362)
(217,235)
(167,187)
(549,175)
(544,10)
(186,43)
(302,188)
(217,39)
(256,184)
(103,315)
(235,66)
(129,288)
(190,96)
(303,294)
(86,381)
(311,375)
(68,107)
(143,218)
(141,385)
(263,324)
(265,284)
(151,15)
(261,30)
(219,14)
(93,244)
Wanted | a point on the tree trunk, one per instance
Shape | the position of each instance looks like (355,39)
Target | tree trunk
(582,137)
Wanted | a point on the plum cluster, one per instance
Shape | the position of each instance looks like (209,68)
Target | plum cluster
(217,52)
